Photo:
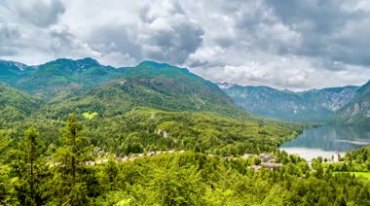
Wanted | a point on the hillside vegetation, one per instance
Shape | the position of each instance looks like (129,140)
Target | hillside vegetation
(77,85)
(15,105)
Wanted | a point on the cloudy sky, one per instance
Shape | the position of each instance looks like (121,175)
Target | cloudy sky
(285,44)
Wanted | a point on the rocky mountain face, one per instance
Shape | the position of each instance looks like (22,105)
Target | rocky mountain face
(332,99)
(357,111)
(313,105)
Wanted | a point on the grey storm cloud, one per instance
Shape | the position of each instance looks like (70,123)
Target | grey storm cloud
(7,35)
(160,33)
(286,44)
(329,28)
(119,38)
(173,45)
(168,35)
(38,12)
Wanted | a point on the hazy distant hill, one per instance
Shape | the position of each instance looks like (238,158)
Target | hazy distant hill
(312,105)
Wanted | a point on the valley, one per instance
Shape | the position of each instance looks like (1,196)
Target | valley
(75,132)
(341,115)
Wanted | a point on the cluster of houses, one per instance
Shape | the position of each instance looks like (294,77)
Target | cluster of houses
(132,157)
(268,161)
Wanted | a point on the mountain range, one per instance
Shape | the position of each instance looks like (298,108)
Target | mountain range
(63,86)
(312,105)
(84,85)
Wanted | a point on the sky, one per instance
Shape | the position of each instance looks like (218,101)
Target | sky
(288,44)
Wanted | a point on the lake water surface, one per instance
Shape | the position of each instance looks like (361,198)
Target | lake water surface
(327,142)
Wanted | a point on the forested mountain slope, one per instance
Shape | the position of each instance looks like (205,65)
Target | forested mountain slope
(53,77)
(15,104)
(87,86)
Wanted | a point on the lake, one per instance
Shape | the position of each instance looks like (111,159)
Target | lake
(327,142)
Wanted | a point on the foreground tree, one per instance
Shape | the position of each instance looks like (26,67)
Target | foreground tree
(31,168)
(7,196)
(33,152)
(71,189)
(111,171)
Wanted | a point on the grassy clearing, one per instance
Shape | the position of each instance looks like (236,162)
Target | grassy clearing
(362,174)
(89,116)
(365,175)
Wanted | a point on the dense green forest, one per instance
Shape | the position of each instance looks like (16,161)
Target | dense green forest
(75,170)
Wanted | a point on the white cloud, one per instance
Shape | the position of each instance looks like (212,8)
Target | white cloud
(295,44)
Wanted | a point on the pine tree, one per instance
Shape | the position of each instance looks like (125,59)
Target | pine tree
(70,164)
(32,154)
(31,168)
(73,142)
(7,194)
(111,171)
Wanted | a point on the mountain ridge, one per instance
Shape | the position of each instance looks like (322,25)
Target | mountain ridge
(311,105)
(168,87)
(87,85)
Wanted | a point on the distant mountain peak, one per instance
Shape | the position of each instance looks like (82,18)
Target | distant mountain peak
(74,65)
(88,61)
(84,61)
(154,69)
(13,65)
(153,64)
